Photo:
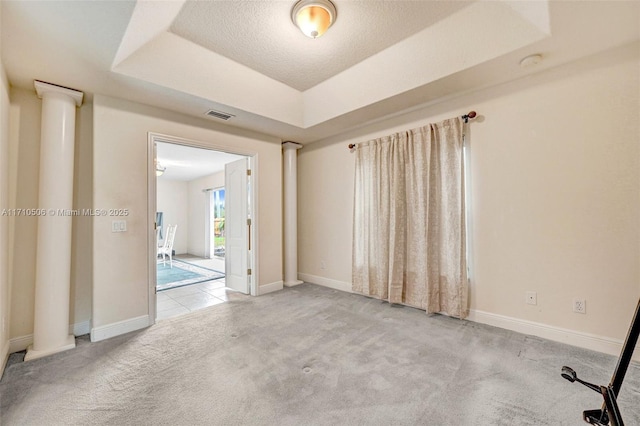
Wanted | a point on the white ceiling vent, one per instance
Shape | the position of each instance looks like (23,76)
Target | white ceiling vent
(219,114)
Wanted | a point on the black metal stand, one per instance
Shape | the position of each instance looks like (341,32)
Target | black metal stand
(609,414)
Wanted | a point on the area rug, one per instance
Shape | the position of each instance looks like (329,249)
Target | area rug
(182,274)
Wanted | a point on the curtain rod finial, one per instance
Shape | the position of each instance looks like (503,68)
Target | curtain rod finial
(471,115)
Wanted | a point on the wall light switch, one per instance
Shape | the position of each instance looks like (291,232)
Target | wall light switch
(118,226)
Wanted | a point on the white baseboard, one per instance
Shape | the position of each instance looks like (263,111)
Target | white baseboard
(116,329)
(571,337)
(557,334)
(80,328)
(270,288)
(326,282)
(21,343)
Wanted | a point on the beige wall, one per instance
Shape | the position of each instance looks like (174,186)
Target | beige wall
(24,164)
(24,168)
(121,278)
(81,252)
(197,210)
(555,195)
(5,291)
(173,201)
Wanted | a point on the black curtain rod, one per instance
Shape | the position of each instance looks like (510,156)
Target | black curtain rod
(470,116)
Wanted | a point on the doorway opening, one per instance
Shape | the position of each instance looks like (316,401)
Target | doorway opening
(216,218)
(199,261)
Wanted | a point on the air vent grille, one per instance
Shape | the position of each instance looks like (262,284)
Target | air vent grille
(219,114)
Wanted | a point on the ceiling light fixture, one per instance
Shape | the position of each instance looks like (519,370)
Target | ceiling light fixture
(313,17)
(160,169)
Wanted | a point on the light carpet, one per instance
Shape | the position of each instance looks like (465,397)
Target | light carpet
(309,355)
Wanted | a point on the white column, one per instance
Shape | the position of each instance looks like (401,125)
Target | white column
(53,256)
(290,214)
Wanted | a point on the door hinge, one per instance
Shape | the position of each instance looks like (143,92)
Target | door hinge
(248,172)
(249,271)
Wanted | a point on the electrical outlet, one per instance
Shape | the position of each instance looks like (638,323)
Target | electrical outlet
(531,298)
(580,306)
(322,265)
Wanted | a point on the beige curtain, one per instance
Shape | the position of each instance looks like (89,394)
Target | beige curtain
(409,219)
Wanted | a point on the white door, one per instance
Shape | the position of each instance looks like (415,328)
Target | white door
(236,226)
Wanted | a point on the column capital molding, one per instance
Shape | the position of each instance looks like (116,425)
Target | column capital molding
(42,88)
(291,145)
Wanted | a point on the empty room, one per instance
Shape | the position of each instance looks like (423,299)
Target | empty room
(319,212)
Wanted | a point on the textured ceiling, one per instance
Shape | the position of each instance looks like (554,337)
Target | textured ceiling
(186,163)
(382,58)
(244,32)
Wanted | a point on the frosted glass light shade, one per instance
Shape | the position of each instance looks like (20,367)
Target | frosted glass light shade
(313,17)
(160,169)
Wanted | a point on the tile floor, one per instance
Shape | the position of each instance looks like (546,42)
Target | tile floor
(215,263)
(182,300)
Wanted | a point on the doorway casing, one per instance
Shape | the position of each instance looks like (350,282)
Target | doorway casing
(153,138)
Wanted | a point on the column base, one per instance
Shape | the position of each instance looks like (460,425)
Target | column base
(292,283)
(32,354)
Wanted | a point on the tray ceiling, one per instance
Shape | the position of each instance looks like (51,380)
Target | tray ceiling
(248,59)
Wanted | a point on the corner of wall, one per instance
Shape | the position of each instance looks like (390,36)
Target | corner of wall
(5,293)
(4,356)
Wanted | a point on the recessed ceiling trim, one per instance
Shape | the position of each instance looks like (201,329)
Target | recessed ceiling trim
(147,22)
(168,58)
(359,86)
